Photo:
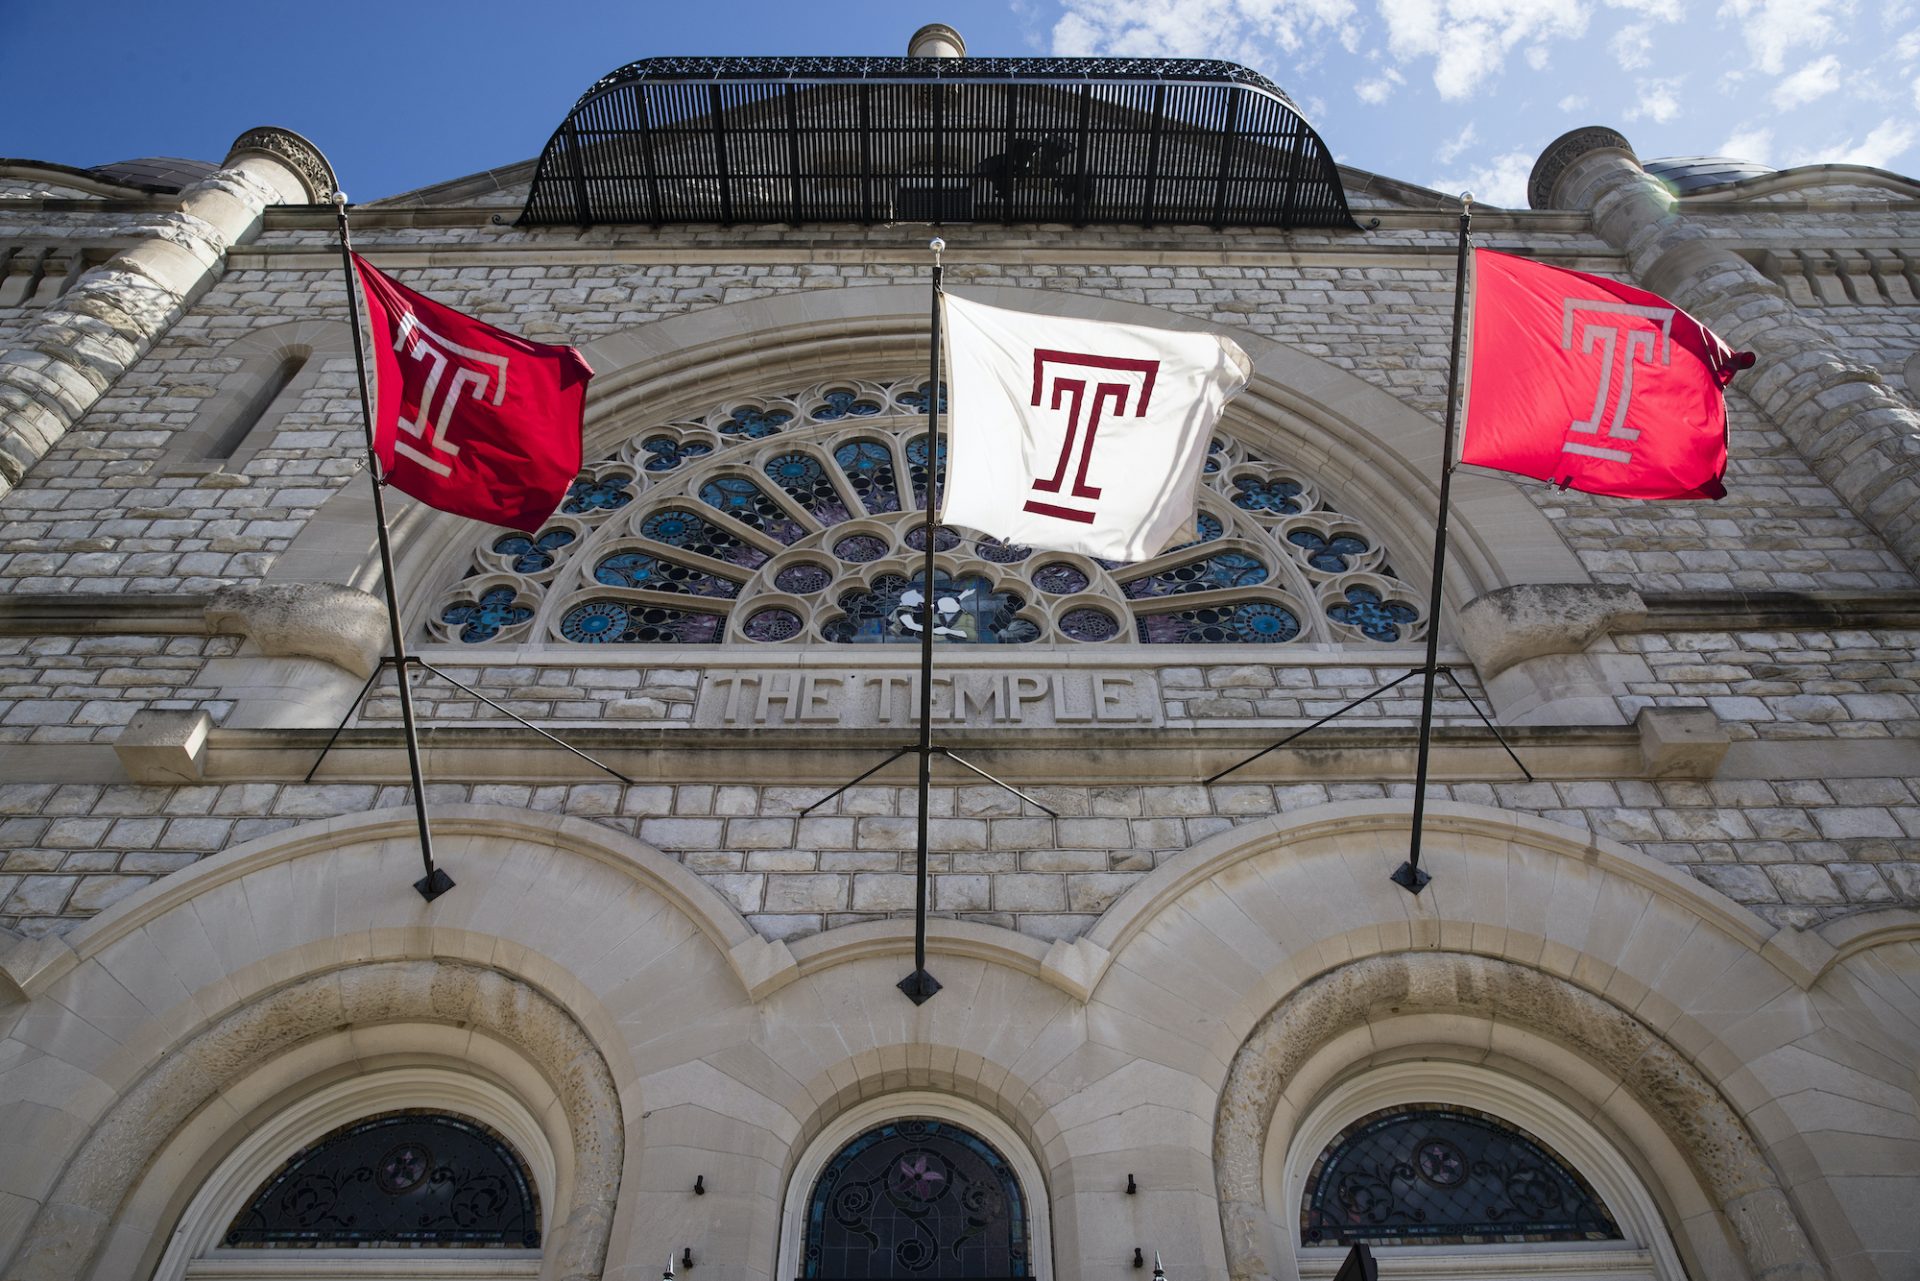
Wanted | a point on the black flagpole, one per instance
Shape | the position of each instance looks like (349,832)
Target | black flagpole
(1408,875)
(920,985)
(436,882)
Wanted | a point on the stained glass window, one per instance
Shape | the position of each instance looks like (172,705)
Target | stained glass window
(916,1198)
(812,495)
(399,1179)
(1446,1176)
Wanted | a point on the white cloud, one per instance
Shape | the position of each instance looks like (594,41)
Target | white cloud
(1632,46)
(1907,47)
(1468,40)
(1452,150)
(1652,10)
(1538,57)
(1657,102)
(1916,93)
(1815,80)
(1573,102)
(1775,29)
(1379,88)
(1749,144)
(1500,181)
(1884,144)
(1235,29)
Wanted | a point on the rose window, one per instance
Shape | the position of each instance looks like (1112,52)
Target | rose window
(798,519)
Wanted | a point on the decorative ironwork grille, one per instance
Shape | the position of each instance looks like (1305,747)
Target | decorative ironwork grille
(1141,141)
(1432,1175)
(399,1179)
(916,1199)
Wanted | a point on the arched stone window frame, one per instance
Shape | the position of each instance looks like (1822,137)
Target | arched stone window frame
(857,1120)
(248,404)
(195,1249)
(1646,1251)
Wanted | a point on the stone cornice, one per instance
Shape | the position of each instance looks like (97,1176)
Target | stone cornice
(293,151)
(1560,155)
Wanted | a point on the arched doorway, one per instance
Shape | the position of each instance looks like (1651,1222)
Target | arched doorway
(916,1187)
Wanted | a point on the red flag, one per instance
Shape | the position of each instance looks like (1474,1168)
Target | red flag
(1594,385)
(469,418)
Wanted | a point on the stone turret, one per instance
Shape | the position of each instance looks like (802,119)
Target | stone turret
(107,321)
(1856,433)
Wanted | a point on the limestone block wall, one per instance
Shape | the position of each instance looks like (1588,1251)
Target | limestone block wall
(1387,323)
(84,689)
(1796,851)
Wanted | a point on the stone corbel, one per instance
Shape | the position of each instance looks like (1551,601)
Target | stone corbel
(340,625)
(163,747)
(1530,645)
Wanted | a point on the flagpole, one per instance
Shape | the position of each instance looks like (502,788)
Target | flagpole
(436,882)
(920,985)
(1408,875)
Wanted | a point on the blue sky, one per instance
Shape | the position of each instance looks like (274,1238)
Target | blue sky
(1459,94)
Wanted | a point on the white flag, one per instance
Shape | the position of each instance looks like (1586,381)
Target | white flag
(1080,435)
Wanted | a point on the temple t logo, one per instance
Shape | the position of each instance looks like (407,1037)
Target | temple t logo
(1061,381)
(449,370)
(1588,317)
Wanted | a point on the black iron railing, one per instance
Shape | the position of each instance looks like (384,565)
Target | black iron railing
(1082,141)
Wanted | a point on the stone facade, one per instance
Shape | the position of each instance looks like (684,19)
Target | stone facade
(1697,924)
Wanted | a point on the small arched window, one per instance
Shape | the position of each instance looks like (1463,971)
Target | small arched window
(244,415)
(401,1179)
(1422,1174)
(916,1198)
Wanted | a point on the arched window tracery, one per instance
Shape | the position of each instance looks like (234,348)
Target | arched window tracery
(796,519)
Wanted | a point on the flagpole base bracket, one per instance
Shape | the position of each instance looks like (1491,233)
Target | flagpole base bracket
(434,884)
(1410,878)
(919,986)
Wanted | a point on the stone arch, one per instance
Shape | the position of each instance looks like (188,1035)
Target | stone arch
(1724,1152)
(1361,439)
(67,1235)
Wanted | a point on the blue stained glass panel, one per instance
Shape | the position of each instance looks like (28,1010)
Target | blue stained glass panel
(1328,554)
(597,494)
(805,479)
(755,424)
(483,619)
(533,554)
(1253,622)
(619,622)
(868,465)
(1228,569)
(657,574)
(752,506)
(679,528)
(967,610)
(1278,496)
(1376,618)
(668,453)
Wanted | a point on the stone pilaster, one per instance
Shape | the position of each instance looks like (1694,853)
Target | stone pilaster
(1858,434)
(110,318)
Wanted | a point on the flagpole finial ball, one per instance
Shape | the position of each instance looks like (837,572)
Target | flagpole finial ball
(938,245)
(340,198)
(1466,197)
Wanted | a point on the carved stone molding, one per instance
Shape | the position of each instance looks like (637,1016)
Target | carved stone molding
(292,150)
(1725,1155)
(1560,155)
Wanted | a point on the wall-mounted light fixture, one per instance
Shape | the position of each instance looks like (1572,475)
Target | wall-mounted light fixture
(1139,1260)
(686,1257)
(1132,1187)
